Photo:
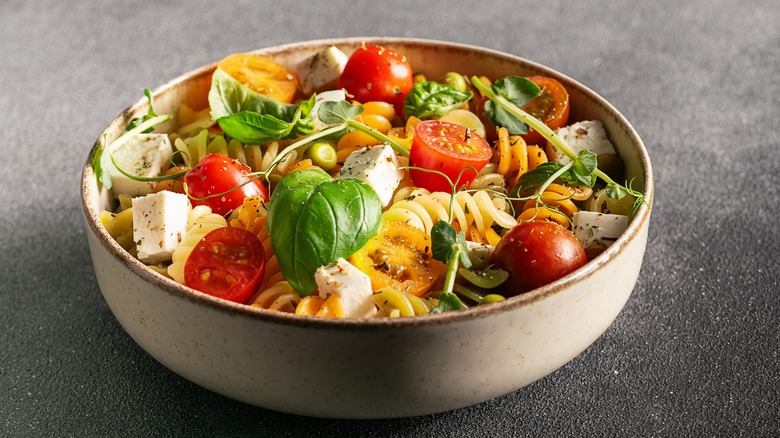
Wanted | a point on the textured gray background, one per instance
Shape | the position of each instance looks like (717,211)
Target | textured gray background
(695,351)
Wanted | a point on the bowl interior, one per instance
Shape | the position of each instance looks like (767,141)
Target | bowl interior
(434,59)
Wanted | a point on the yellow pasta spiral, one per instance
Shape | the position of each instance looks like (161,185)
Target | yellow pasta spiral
(200,221)
(280,296)
(475,213)
(554,204)
(393,303)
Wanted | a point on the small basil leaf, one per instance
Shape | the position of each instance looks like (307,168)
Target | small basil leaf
(429,99)
(252,128)
(582,169)
(313,220)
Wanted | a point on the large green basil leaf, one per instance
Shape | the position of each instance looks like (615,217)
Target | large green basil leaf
(253,118)
(429,99)
(313,220)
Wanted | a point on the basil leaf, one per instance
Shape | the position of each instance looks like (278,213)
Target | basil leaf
(444,241)
(252,128)
(313,220)
(429,99)
(231,104)
(519,91)
(331,112)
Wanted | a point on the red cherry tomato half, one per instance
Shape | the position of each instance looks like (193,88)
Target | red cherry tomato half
(551,106)
(219,175)
(375,73)
(536,253)
(449,148)
(228,263)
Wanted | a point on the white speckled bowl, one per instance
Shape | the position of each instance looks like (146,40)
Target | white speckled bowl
(372,368)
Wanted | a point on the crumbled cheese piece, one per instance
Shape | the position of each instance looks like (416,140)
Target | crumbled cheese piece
(144,155)
(598,229)
(350,284)
(378,167)
(159,223)
(325,96)
(324,68)
(579,136)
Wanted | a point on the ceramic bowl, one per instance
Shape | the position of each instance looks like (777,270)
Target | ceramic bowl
(378,368)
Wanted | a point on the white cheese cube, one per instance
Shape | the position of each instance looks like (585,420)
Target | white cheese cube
(598,229)
(159,223)
(325,96)
(324,68)
(579,136)
(144,155)
(378,167)
(350,284)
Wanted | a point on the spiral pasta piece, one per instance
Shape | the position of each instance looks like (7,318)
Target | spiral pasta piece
(200,221)
(314,305)
(280,296)
(394,303)
(551,205)
(473,213)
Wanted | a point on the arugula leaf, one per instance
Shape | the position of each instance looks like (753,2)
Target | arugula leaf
(244,114)
(313,220)
(519,91)
(429,99)
(149,114)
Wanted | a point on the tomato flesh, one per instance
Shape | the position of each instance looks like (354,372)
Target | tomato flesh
(375,73)
(448,148)
(222,176)
(536,253)
(228,263)
(262,74)
(399,256)
(551,106)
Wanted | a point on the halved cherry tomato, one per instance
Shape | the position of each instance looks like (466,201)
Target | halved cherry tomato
(262,74)
(399,256)
(449,148)
(551,106)
(219,175)
(375,73)
(536,253)
(228,263)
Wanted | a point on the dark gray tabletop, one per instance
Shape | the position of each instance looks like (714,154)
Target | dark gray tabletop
(695,351)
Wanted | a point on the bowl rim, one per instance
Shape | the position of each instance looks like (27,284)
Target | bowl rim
(169,286)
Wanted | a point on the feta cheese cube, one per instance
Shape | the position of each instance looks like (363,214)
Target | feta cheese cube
(325,96)
(324,68)
(159,223)
(378,167)
(350,284)
(579,136)
(144,155)
(598,229)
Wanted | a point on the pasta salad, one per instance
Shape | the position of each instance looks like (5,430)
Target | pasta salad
(354,186)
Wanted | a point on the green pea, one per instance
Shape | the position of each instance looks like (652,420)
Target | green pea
(322,154)
(492,298)
(456,80)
